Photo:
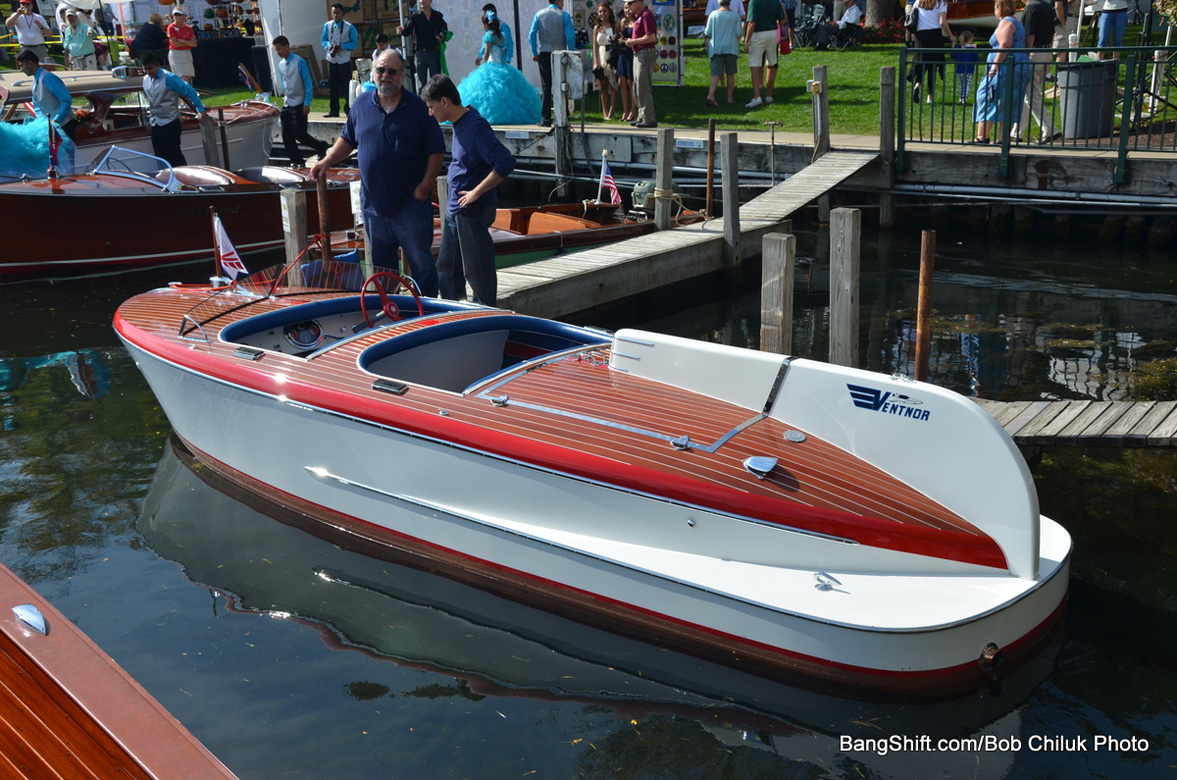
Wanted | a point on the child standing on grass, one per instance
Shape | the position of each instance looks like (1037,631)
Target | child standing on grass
(966,57)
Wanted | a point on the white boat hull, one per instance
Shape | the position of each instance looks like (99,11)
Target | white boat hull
(682,571)
(250,144)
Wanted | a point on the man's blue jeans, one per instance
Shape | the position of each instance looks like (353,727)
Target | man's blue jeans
(468,254)
(410,228)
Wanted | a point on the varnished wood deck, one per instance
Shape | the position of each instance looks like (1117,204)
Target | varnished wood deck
(68,711)
(569,283)
(610,416)
(1087,423)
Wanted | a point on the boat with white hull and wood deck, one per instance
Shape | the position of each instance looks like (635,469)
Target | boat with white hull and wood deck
(781,515)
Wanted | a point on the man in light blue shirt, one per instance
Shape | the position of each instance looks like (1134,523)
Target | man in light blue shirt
(298,89)
(339,39)
(164,91)
(551,30)
(50,96)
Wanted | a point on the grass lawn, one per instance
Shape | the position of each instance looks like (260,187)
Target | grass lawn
(854,92)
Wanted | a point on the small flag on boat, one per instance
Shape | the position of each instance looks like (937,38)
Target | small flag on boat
(231,264)
(607,183)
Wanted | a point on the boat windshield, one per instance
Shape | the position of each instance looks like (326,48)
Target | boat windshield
(139,165)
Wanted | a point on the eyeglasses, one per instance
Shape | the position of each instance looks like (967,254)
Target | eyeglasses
(382,71)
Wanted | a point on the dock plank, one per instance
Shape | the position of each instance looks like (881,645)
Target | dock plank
(1061,424)
(1156,413)
(1164,433)
(1045,416)
(1093,433)
(1025,417)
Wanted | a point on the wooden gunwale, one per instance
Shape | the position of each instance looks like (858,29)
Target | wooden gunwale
(68,710)
(817,487)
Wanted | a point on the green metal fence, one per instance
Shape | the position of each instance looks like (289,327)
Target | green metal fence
(1112,100)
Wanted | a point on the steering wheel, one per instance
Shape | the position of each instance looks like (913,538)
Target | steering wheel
(388,306)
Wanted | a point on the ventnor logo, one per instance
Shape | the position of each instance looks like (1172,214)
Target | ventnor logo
(888,402)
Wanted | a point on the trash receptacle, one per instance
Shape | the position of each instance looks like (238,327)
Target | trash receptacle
(1087,96)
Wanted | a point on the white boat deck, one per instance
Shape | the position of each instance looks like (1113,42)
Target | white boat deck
(865,601)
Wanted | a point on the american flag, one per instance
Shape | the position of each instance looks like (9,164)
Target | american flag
(607,183)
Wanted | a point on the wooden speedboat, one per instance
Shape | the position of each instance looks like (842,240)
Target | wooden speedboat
(73,712)
(112,112)
(530,233)
(776,514)
(121,216)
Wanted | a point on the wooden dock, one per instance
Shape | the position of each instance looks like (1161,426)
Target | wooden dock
(570,283)
(1087,423)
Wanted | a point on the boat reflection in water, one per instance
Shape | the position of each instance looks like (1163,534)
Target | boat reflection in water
(499,648)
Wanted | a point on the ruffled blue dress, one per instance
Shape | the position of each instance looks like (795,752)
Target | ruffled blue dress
(500,92)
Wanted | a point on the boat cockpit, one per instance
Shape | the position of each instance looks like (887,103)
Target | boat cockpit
(452,346)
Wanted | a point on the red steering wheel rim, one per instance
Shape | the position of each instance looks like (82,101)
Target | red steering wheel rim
(387,305)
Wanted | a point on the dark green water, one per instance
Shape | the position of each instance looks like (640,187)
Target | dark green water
(289,657)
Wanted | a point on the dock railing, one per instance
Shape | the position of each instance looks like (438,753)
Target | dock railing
(1112,100)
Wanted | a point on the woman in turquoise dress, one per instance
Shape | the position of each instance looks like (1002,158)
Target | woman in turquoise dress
(497,90)
(993,107)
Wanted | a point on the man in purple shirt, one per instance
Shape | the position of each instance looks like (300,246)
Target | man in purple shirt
(400,154)
(479,163)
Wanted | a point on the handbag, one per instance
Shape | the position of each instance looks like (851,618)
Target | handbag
(912,20)
(599,74)
(783,35)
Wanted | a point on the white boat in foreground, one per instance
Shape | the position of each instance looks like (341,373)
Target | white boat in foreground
(780,515)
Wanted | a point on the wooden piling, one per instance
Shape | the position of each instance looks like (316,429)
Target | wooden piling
(224,138)
(729,153)
(887,146)
(294,227)
(923,327)
(664,180)
(708,209)
(819,88)
(779,252)
(845,237)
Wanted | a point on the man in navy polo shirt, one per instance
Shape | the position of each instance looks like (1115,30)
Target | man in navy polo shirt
(400,154)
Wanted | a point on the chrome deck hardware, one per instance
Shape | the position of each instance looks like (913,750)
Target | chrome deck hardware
(760,465)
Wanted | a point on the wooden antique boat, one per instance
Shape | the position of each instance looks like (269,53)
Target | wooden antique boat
(529,233)
(133,211)
(112,111)
(776,514)
(71,711)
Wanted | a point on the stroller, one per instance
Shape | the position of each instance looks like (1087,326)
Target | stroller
(809,19)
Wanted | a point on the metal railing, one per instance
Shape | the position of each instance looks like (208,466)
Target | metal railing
(1090,100)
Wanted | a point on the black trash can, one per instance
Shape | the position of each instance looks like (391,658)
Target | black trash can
(1087,96)
(261,68)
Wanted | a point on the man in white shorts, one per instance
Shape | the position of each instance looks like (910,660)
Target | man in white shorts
(760,39)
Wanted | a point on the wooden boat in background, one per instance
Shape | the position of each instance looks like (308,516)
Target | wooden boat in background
(776,514)
(113,112)
(529,233)
(71,711)
(134,211)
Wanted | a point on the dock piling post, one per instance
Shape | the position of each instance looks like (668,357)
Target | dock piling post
(294,227)
(729,165)
(887,146)
(709,208)
(923,317)
(779,252)
(819,88)
(845,234)
(664,181)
